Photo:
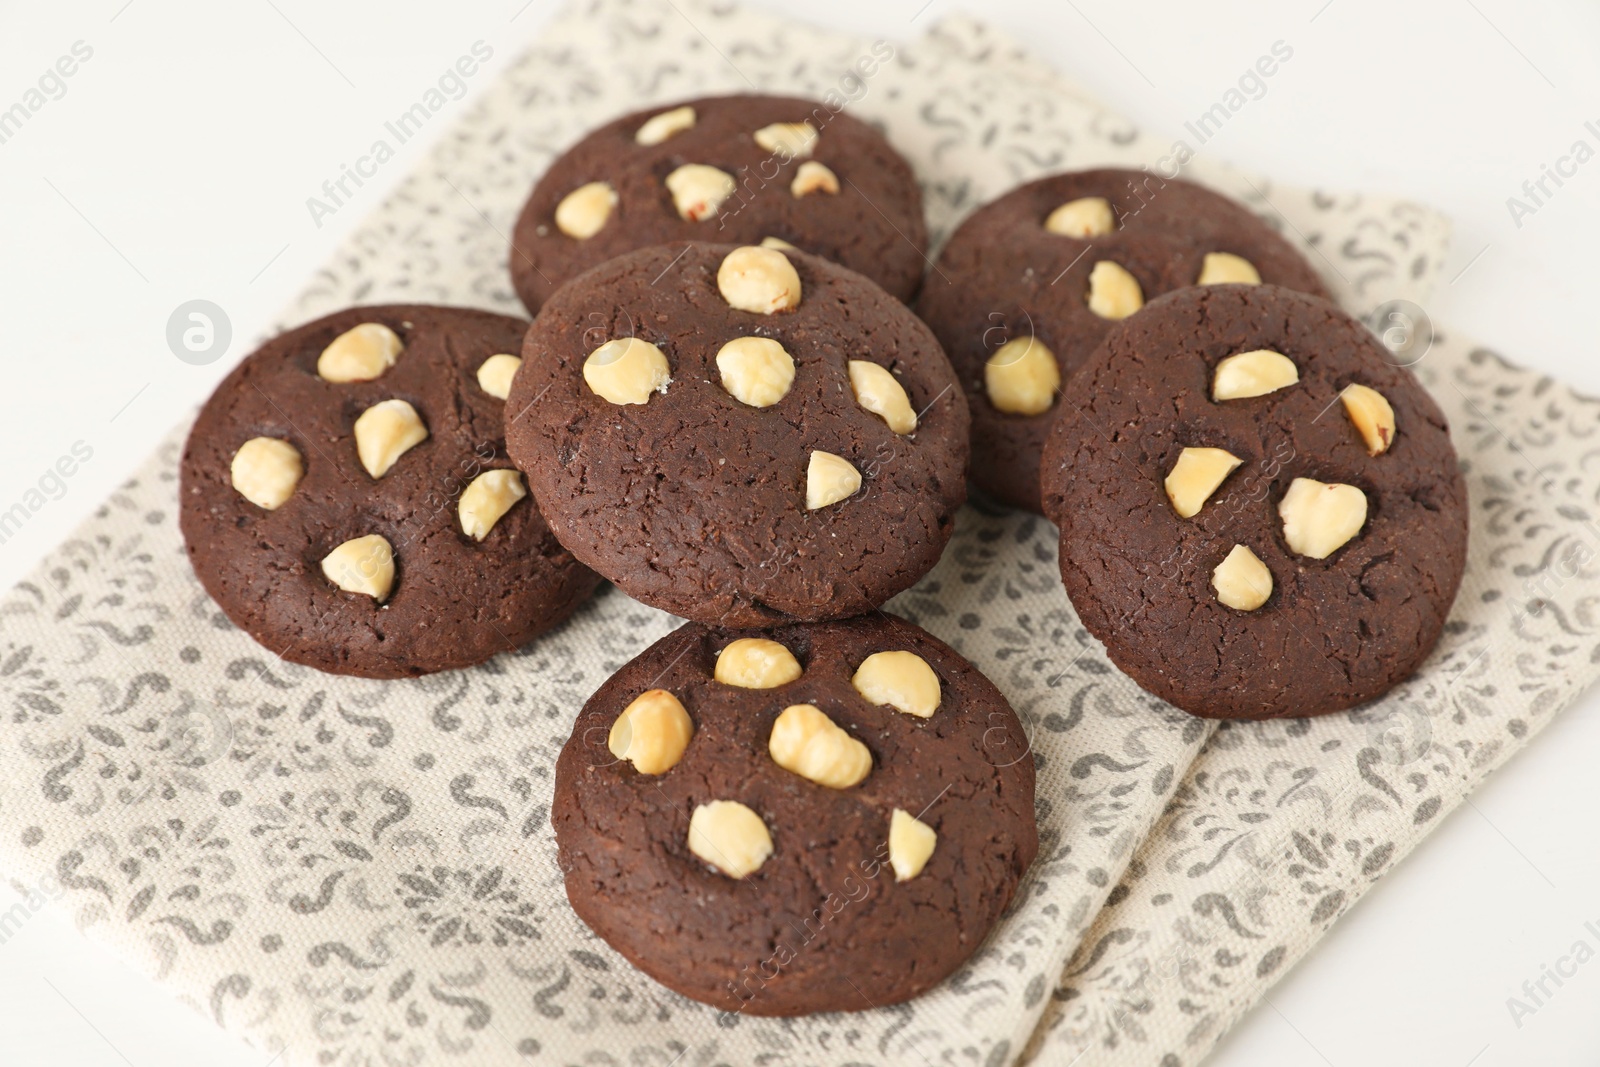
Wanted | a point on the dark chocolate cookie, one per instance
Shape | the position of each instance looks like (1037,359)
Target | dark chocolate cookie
(738,467)
(347,500)
(1260,514)
(731,169)
(822,817)
(1014,285)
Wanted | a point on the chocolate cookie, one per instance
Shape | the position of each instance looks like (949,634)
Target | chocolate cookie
(740,436)
(346,497)
(1030,284)
(1260,515)
(822,817)
(731,169)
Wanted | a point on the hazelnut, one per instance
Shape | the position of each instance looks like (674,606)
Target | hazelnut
(911,843)
(1022,377)
(902,680)
(730,837)
(830,479)
(698,190)
(1196,476)
(804,740)
(362,565)
(266,471)
(652,732)
(1113,292)
(813,177)
(495,374)
(627,370)
(385,432)
(761,280)
(1319,517)
(778,243)
(756,663)
(659,127)
(1241,580)
(1254,373)
(882,394)
(1220,267)
(360,354)
(1088,216)
(755,370)
(788,139)
(486,500)
(1371,414)
(585,211)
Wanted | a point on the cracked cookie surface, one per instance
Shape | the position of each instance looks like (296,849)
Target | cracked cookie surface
(868,217)
(716,508)
(1324,633)
(824,923)
(448,598)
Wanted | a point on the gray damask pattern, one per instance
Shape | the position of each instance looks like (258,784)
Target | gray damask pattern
(361,872)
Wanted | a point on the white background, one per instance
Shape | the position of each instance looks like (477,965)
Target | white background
(177,166)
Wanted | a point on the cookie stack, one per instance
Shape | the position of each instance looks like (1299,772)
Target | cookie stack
(724,407)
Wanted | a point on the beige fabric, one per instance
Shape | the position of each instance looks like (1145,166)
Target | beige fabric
(362,872)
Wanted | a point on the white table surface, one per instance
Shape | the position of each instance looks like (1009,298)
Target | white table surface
(176,166)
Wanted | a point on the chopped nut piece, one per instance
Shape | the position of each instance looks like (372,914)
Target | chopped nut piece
(830,479)
(362,565)
(813,177)
(385,432)
(804,740)
(1241,580)
(755,370)
(1220,267)
(881,393)
(911,843)
(1088,216)
(902,680)
(658,128)
(761,280)
(788,139)
(266,471)
(652,732)
(627,370)
(495,374)
(585,211)
(1113,292)
(698,190)
(756,663)
(1196,475)
(1022,377)
(1254,373)
(486,500)
(778,243)
(730,837)
(360,354)
(1371,414)
(1319,517)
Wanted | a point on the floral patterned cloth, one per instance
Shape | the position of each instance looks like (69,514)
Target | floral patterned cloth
(362,872)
